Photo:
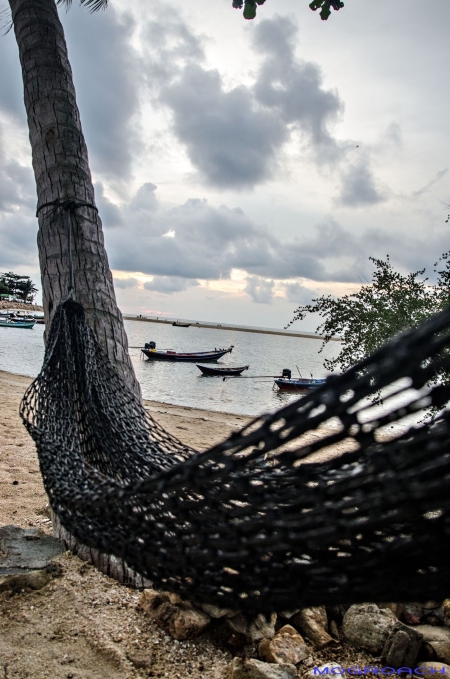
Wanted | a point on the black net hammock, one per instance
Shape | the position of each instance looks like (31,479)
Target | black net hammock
(257,522)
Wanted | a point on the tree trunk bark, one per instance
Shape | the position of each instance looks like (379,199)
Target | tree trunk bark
(61,169)
(110,565)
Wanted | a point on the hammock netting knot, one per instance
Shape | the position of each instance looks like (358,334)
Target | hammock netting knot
(328,500)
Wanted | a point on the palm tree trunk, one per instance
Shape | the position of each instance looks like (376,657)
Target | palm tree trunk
(61,169)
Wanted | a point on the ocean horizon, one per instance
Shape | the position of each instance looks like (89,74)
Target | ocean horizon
(215,325)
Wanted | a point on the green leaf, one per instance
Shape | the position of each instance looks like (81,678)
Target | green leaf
(249,10)
(325,12)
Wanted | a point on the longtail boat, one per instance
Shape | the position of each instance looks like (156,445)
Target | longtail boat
(157,355)
(225,371)
(10,323)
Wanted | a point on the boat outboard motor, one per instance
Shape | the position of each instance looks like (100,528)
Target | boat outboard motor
(286,373)
(150,345)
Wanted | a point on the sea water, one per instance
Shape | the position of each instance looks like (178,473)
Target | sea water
(22,351)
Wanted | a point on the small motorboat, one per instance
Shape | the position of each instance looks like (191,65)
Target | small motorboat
(286,383)
(300,384)
(13,323)
(153,354)
(221,372)
(177,324)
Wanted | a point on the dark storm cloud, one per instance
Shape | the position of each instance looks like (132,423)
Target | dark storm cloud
(196,240)
(18,225)
(202,235)
(233,137)
(18,234)
(298,293)
(16,187)
(106,72)
(227,138)
(170,284)
(260,290)
(106,75)
(410,252)
(359,186)
(199,241)
(145,198)
(11,88)
(330,240)
(168,45)
(293,88)
(109,211)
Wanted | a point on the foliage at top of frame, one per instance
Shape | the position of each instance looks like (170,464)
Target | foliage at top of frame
(325,7)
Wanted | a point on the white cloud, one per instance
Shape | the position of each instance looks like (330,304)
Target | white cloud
(299,294)
(170,284)
(220,113)
(359,186)
(260,290)
(125,282)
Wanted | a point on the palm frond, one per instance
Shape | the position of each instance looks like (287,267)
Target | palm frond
(94,5)
(6,22)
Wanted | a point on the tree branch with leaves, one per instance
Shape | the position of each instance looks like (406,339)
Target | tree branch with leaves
(381,309)
(325,7)
(18,286)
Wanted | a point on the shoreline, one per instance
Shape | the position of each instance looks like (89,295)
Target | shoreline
(149,404)
(198,427)
(227,326)
(24,501)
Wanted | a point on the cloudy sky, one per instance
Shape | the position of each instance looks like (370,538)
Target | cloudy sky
(242,168)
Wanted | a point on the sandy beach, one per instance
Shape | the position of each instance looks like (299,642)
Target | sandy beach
(23,497)
(84,625)
(24,501)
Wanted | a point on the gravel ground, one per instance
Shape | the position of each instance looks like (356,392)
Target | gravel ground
(84,625)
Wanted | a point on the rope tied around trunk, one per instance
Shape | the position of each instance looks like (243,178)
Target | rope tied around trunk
(269,519)
(69,206)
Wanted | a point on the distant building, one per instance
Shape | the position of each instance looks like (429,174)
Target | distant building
(13,298)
